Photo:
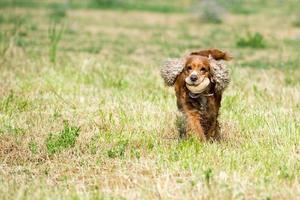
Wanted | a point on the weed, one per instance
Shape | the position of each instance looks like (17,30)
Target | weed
(93,144)
(13,130)
(284,173)
(21,42)
(33,147)
(65,139)
(54,35)
(255,40)
(9,37)
(149,144)
(56,114)
(118,150)
(4,43)
(58,11)
(14,103)
(208,174)
(135,153)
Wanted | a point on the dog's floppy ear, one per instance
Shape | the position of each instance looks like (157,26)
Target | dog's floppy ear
(219,74)
(214,53)
(171,69)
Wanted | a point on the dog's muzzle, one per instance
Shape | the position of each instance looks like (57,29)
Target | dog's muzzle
(197,88)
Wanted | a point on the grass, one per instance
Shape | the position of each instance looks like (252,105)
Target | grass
(54,34)
(19,3)
(154,6)
(63,140)
(166,6)
(58,12)
(100,124)
(296,22)
(210,12)
(255,40)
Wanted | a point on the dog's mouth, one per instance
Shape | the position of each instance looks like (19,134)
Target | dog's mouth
(188,81)
(198,88)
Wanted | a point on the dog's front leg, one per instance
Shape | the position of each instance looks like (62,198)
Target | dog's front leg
(194,127)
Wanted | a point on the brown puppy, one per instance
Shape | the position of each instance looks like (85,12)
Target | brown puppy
(201,109)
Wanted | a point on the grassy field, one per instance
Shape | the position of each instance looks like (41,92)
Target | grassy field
(84,113)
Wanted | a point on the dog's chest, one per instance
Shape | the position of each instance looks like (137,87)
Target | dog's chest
(206,108)
(201,103)
(207,113)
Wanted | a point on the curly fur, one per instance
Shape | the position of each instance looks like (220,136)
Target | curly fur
(171,69)
(220,75)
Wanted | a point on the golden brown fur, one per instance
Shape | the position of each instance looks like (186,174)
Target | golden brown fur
(201,111)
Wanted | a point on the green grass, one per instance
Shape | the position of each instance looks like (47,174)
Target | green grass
(296,22)
(55,34)
(63,140)
(19,3)
(154,6)
(59,8)
(58,12)
(255,40)
(100,124)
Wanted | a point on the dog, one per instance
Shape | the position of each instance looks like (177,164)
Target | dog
(199,80)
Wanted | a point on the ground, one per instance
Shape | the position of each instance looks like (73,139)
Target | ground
(84,113)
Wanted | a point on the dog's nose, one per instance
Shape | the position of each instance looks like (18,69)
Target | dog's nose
(193,77)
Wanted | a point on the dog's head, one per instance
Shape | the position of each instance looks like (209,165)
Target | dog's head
(198,71)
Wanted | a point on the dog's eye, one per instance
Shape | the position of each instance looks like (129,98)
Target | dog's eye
(189,68)
(203,69)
